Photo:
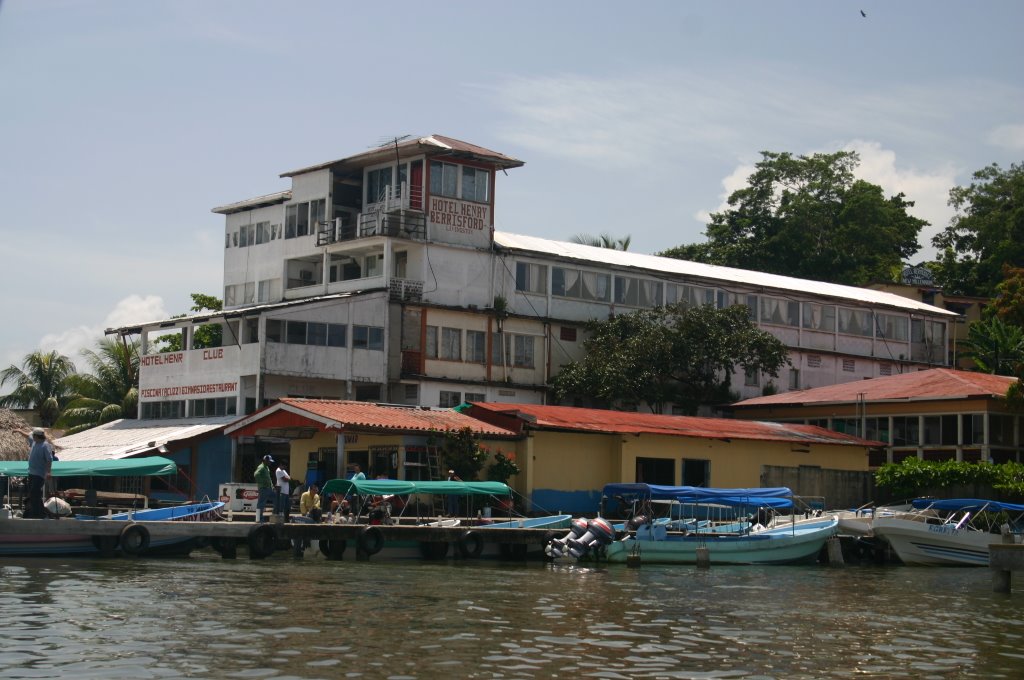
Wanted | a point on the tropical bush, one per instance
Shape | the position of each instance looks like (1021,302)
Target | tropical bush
(914,477)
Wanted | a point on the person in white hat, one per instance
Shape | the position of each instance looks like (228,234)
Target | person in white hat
(40,461)
(453,501)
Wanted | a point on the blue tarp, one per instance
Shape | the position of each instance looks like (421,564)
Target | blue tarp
(694,494)
(976,504)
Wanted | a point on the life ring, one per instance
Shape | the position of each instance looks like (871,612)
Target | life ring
(332,549)
(134,540)
(370,541)
(261,541)
(470,544)
(433,550)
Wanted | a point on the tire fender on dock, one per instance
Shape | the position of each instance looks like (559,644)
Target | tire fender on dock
(134,540)
(370,540)
(333,549)
(261,541)
(470,544)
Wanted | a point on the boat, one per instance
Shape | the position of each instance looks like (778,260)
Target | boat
(857,522)
(726,529)
(73,536)
(387,502)
(950,532)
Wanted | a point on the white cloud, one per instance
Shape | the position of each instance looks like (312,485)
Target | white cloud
(1008,136)
(131,310)
(734,181)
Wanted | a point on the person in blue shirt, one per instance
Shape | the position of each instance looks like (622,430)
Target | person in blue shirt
(357,472)
(40,461)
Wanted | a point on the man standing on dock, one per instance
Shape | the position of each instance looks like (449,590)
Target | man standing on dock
(283,503)
(264,486)
(40,459)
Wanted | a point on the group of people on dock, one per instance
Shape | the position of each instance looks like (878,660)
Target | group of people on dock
(273,484)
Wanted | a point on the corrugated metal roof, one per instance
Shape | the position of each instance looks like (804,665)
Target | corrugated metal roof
(125,438)
(357,415)
(757,281)
(573,419)
(252,203)
(932,384)
(431,145)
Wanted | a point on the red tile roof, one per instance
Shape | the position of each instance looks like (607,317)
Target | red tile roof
(360,415)
(568,418)
(930,385)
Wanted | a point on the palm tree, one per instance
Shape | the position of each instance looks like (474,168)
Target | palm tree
(995,346)
(603,241)
(43,383)
(110,391)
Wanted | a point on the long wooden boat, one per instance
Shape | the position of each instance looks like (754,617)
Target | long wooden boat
(79,535)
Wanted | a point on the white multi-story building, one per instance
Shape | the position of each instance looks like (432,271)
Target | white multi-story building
(380,277)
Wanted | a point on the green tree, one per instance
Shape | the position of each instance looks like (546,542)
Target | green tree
(110,391)
(462,452)
(1008,304)
(995,347)
(684,355)
(985,233)
(603,241)
(206,335)
(807,216)
(44,382)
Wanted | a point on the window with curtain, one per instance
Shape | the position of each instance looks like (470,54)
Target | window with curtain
(451,344)
(819,317)
(476,348)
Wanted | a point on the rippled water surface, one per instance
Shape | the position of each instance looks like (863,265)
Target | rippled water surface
(283,617)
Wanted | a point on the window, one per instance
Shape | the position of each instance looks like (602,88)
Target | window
(940,430)
(451,344)
(449,399)
(444,178)
(584,285)
(378,184)
(637,292)
(368,337)
(752,377)
(877,429)
(905,431)
(523,351)
(1000,429)
(263,233)
(780,312)
(162,410)
(813,361)
(974,429)
(475,184)
(689,296)
(567,334)
(819,317)
(794,378)
(531,278)
(412,394)
(431,342)
(301,219)
(307,333)
(696,472)
(209,408)
(855,322)
(849,365)
(476,347)
(476,396)
(885,369)
(893,327)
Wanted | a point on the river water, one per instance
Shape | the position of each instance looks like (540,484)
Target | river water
(288,617)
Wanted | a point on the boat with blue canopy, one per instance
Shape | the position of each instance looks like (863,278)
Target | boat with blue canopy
(950,532)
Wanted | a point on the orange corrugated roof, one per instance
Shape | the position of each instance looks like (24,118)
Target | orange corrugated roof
(932,384)
(569,418)
(348,415)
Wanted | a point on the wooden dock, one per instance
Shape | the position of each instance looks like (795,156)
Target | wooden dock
(362,541)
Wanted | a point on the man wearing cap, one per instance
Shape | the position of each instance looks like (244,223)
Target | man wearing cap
(264,486)
(40,459)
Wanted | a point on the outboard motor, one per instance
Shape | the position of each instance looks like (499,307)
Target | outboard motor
(599,532)
(636,522)
(558,547)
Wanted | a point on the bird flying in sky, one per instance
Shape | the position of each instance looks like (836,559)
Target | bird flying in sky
(862,13)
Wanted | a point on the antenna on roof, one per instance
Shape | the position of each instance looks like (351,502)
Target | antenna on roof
(388,141)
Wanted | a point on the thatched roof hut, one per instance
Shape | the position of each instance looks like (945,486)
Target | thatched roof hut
(14,434)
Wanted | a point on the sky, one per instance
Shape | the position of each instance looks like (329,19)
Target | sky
(123,123)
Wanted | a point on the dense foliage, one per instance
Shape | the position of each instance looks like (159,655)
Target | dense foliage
(683,355)
(986,233)
(807,216)
(462,452)
(914,477)
(110,391)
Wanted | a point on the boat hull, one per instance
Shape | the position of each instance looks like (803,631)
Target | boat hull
(917,542)
(783,545)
